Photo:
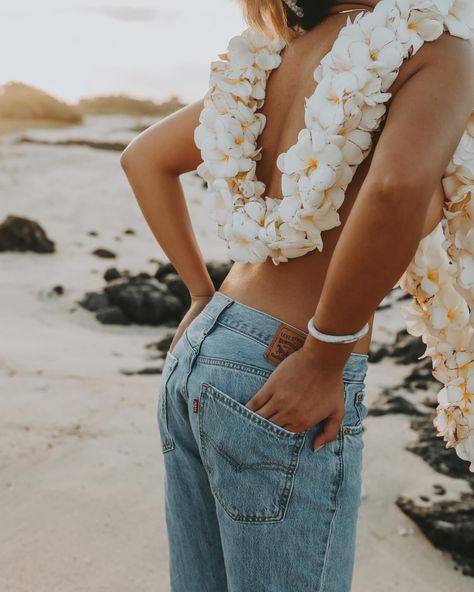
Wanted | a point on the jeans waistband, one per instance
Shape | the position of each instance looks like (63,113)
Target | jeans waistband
(260,325)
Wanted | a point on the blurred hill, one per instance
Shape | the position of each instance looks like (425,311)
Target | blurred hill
(23,106)
(21,101)
(124,105)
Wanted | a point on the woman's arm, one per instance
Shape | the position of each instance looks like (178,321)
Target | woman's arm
(425,122)
(153,162)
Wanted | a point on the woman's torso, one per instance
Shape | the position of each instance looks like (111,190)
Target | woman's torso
(291,290)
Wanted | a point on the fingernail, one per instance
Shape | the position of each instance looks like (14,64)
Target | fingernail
(318,448)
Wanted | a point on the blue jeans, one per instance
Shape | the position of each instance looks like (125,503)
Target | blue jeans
(249,506)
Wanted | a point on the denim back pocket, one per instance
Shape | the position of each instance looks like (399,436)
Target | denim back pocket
(356,411)
(167,442)
(250,461)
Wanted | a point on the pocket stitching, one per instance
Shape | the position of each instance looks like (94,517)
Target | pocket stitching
(167,441)
(261,421)
(248,368)
(357,427)
(289,472)
(241,467)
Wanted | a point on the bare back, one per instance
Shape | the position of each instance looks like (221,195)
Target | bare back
(291,290)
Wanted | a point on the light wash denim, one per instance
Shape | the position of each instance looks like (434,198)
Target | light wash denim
(249,506)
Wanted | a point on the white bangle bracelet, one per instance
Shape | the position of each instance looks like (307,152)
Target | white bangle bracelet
(336,338)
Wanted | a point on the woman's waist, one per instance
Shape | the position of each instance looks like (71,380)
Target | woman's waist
(282,293)
(230,333)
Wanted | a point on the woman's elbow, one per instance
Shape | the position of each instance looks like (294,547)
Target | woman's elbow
(399,189)
(128,158)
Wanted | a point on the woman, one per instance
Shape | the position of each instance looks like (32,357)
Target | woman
(261,407)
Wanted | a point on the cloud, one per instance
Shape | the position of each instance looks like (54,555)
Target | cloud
(132,14)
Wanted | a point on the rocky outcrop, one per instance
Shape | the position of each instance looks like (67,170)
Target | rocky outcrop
(432,449)
(22,234)
(449,525)
(145,299)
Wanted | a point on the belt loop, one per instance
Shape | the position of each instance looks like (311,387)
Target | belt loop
(214,310)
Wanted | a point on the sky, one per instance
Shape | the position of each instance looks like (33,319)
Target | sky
(146,48)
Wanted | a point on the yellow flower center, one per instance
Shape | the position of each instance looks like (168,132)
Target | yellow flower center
(412,26)
(452,314)
(312,165)
(239,141)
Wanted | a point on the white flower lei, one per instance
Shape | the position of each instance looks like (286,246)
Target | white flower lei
(346,108)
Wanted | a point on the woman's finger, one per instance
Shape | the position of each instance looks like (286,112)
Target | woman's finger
(269,409)
(280,418)
(329,432)
(259,399)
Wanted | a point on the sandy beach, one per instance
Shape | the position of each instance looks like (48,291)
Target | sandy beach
(81,467)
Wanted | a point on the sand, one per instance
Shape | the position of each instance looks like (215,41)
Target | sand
(81,468)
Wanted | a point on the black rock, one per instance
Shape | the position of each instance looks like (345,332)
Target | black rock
(163,270)
(449,525)
(112,273)
(112,315)
(145,301)
(104,253)
(389,402)
(59,290)
(129,231)
(218,272)
(148,370)
(216,269)
(375,355)
(177,288)
(94,301)
(432,449)
(162,345)
(93,233)
(22,234)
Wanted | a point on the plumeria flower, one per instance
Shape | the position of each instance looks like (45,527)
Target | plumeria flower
(458,392)
(460,19)
(449,312)
(313,157)
(233,139)
(420,26)
(452,425)
(242,237)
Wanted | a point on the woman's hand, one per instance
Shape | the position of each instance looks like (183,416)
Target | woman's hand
(299,394)
(197,304)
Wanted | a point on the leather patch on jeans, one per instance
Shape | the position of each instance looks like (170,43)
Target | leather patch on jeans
(285,341)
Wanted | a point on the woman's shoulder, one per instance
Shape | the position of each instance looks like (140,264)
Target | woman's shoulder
(447,53)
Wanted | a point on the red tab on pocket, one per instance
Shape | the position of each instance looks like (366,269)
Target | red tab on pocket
(195,405)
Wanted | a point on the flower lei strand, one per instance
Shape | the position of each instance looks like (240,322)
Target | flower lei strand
(346,108)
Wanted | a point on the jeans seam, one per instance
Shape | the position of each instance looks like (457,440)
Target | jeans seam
(340,453)
(168,443)
(248,368)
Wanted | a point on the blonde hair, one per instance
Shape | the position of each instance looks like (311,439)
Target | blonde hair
(268,16)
